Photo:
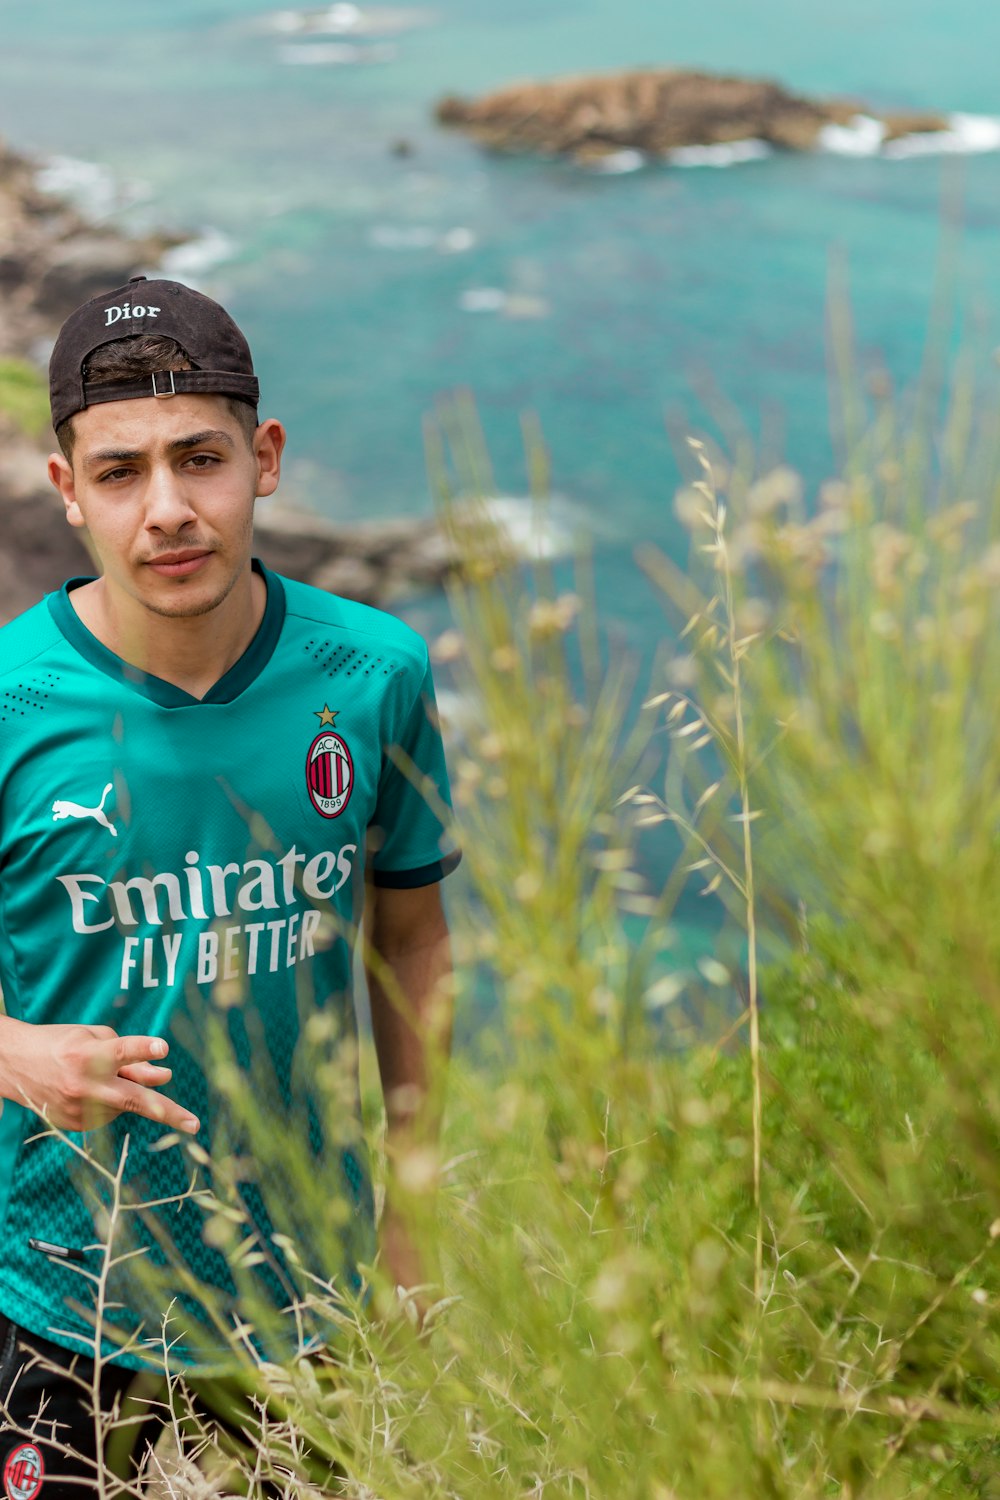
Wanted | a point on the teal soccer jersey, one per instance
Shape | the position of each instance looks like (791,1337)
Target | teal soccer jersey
(166,862)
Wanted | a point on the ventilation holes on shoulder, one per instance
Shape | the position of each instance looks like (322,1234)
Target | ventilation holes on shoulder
(347,660)
(26,696)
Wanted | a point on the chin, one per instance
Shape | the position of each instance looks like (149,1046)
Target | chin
(179,599)
(185,608)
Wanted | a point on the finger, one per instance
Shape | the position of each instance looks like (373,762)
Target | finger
(102,1032)
(146,1073)
(133,1049)
(132,1098)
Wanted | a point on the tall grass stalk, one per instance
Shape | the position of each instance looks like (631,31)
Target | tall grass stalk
(722,636)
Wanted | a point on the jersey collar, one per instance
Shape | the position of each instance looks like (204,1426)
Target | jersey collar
(239,677)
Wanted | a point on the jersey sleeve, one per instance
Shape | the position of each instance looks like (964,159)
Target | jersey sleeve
(410,842)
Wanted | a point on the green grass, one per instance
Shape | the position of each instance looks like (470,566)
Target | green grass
(24,396)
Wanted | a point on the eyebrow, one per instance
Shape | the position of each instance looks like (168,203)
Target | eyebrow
(179,445)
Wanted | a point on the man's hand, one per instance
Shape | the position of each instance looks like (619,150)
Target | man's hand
(80,1077)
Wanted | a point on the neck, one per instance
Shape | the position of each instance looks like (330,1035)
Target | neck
(194,651)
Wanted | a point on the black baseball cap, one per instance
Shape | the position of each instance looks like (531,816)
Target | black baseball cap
(216,347)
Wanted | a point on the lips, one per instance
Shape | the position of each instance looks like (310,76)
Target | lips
(178,564)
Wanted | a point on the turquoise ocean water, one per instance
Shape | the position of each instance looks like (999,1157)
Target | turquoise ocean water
(370,285)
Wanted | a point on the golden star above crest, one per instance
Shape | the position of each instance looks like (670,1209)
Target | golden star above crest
(326,716)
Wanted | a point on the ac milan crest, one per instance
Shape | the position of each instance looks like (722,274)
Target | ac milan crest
(329,774)
(23,1473)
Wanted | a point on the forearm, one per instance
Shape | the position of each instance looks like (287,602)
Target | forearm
(13,1043)
(409,985)
(411,1006)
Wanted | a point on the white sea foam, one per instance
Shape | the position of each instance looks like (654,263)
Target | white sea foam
(457,241)
(483,299)
(190,261)
(536,532)
(93,188)
(336,54)
(287,20)
(459,714)
(342,17)
(967,135)
(616,163)
(402,237)
(421,237)
(724,154)
(862,136)
(336,19)
(348,20)
(526,305)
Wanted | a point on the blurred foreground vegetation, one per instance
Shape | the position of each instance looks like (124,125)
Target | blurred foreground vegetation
(765,1264)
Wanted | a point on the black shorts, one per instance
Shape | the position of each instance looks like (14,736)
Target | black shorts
(51,1438)
(51,1444)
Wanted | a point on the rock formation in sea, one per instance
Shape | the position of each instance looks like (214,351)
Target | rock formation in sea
(52,259)
(656,111)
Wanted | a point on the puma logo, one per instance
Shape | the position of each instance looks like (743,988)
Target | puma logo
(62,809)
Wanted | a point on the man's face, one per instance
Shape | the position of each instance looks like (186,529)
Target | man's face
(166,490)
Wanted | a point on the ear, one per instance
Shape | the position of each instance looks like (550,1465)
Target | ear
(268,445)
(61,476)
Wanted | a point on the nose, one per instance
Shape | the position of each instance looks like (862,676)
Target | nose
(167,506)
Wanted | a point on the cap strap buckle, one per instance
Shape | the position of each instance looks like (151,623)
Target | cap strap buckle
(163,395)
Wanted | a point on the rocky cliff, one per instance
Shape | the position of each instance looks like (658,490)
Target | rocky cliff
(52,258)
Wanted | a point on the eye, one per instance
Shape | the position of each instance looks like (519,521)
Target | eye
(202,460)
(115,475)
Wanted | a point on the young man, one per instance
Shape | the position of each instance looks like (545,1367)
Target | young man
(202,767)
